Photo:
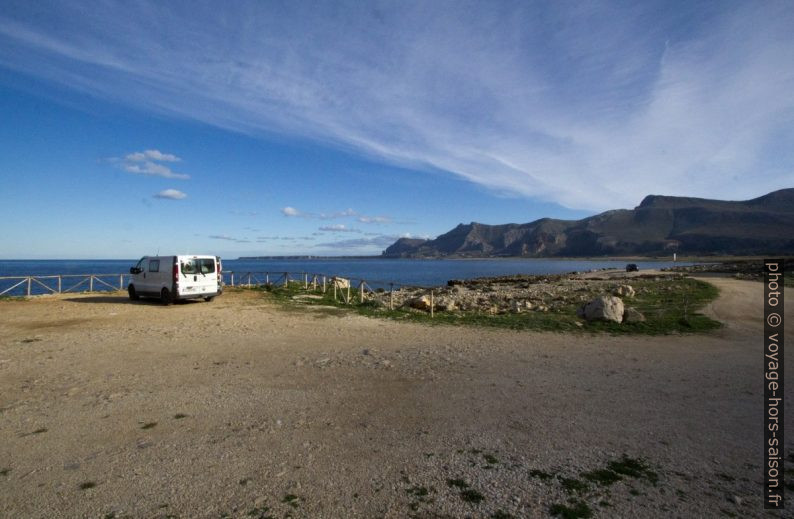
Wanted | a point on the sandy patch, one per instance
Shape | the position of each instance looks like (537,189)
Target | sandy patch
(238,408)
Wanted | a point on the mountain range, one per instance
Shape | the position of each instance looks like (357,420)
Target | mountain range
(660,225)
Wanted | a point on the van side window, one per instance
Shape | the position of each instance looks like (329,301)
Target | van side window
(154,265)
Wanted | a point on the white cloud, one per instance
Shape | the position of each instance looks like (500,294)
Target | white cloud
(148,163)
(291,211)
(141,156)
(592,106)
(171,194)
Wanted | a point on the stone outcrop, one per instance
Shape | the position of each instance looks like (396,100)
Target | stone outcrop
(603,308)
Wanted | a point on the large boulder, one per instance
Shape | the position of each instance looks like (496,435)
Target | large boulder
(603,308)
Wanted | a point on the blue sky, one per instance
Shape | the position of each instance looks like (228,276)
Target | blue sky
(244,128)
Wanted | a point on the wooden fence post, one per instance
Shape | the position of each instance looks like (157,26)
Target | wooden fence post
(391,296)
(432,304)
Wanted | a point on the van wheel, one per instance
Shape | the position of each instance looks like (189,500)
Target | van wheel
(133,294)
(209,298)
(165,297)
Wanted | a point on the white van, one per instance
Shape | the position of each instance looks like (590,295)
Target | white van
(172,278)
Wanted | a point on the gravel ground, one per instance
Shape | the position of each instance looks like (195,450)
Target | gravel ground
(240,408)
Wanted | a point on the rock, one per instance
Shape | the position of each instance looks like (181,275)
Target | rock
(420,303)
(602,308)
(736,500)
(340,282)
(632,315)
(446,304)
(624,291)
(520,306)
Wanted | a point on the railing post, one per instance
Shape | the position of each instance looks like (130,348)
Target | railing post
(334,291)
(305,281)
(30,281)
(231,278)
(286,279)
(391,296)
(249,280)
(121,281)
(324,286)
(432,304)
(361,292)
(348,293)
(91,283)
(59,284)
(267,278)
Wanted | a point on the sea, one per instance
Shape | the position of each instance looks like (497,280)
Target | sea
(377,272)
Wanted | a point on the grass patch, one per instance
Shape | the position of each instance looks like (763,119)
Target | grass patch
(418,491)
(87,484)
(457,483)
(535,473)
(149,425)
(471,496)
(633,467)
(179,416)
(603,477)
(291,500)
(670,305)
(576,510)
(260,513)
(490,459)
(573,485)
(501,514)
(4,472)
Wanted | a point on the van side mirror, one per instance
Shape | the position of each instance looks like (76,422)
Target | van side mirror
(135,270)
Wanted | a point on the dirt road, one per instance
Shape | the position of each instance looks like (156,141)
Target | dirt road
(239,408)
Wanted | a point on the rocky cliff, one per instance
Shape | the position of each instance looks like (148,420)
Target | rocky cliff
(659,225)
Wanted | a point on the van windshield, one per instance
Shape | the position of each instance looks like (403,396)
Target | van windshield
(198,266)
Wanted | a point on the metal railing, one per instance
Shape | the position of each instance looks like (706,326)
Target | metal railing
(61,284)
(76,283)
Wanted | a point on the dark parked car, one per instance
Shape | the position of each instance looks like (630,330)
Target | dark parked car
(632,267)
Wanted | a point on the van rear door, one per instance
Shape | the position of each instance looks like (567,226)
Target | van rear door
(197,276)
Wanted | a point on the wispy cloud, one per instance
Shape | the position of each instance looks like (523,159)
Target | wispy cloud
(171,194)
(377,242)
(337,228)
(228,238)
(290,211)
(149,162)
(591,106)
